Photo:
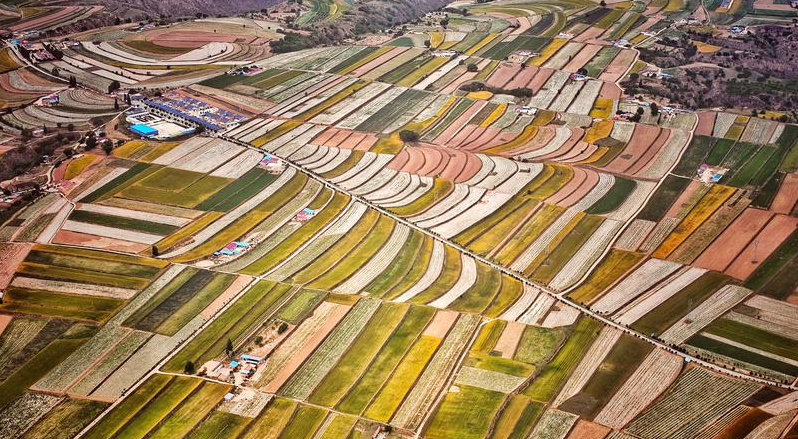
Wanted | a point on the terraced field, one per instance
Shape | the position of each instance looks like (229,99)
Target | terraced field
(471,240)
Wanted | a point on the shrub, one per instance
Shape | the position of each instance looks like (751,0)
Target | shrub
(408,136)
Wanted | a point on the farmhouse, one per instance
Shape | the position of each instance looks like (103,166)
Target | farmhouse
(188,110)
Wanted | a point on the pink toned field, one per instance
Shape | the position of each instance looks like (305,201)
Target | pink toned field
(82,239)
(724,250)
(618,66)
(766,242)
(787,197)
(683,199)
(440,324)
(583,57)
(11,255)
(304,352)
(588,430)
(5,320)
(642,138)
(509,339)
(706,121)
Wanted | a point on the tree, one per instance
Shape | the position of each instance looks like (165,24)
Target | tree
(654,109)
(91,141)
(408,136)
(71,127)
(603,4)
(114,86)
(116,105)
(640,110)
(108,147)
(229,347)
(189,368)
(73,82)
(427,43)
(472,67)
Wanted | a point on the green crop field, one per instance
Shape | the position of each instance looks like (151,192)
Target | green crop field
(465,413)
(249,310)
(554,374)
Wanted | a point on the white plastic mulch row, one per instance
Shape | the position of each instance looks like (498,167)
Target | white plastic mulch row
(599,190)
(554,424)
(331,350)
(25,412)
(260,130)
(73,288)
(378,263)
(111,232)
(658,234)
(639,281)
(566,96)
(546,95)
(293,108)
(530,253)
(468,276)
(757,130)
(488,379)
(438,74)
(290,147)
(368,110)
(304,152)
(375,183)
(314,157)
(214,155)
(406,117)
(398,183)
(776,134)
(144,360)
(423,395)
(773,310)
(709,310)
(723,121)
(433,271)
(275,144)
(634,201)
(240,165)
(475,195)
(135,214)
(564,55)
(184,149)
(517,309)
(502,170)
(334,158)
(305,85)
(656,296)
(454,198)
(320,243)
(491,201)
(109,175)
(244,128)
(487,167)
(581,261)
(587,96)
(647,382)
(242,209)
(367,174)
(635,233)
(592,359)
(622,131)
(66,372)
(365,161)
(419,186)
(537,310)
(667,155)
(350,104)
(561,135)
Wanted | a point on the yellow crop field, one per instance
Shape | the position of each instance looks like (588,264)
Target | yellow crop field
(708,204)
